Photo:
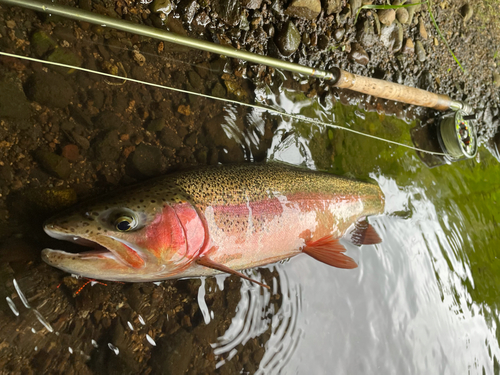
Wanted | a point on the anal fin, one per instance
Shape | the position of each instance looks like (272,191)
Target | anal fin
(364,234)
(205,261)
(329,251)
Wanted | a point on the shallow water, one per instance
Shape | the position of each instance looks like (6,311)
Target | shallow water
(424,300)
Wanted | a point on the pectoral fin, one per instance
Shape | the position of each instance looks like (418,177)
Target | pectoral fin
(364,234)
(329,251)
(207,262)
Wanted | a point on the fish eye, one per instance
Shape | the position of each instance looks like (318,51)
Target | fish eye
(125,223)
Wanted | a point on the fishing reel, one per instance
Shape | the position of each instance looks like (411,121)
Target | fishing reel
(451,138)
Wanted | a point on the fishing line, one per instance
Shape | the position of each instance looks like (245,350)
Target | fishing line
(254,106)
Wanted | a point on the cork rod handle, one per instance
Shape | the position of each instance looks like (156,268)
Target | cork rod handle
(392,91)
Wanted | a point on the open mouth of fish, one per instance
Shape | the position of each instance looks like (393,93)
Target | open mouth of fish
(113,249)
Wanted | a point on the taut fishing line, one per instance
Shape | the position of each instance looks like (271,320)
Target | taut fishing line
(255,106)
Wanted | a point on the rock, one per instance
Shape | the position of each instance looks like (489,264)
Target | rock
(156,125)
(13,101)
(366,35)
(251,4)
(49,89)
(161,6)
(288,39)
(64,56)
(54,164)
(413,9)
(392,36)
(71,153)
(409,47)
(308,9)
(41,42)
(359,55)
(339,34)
(386,16)
(402,15)
(466,11)
(420,51)
(219,90)
(355,5)
(170,138)
(188,9)
(228,10)
(496,79)
(322,42)
(333,6)
(107,120)
(421,29)
(148,160)
(107,147)
(195,80)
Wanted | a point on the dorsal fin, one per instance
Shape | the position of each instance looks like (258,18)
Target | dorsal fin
(329,251)
(364,234)
(205,261)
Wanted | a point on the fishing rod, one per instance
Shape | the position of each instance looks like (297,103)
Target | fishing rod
(457,134)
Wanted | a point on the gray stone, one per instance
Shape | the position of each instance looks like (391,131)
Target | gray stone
(251,4)
(288,39)
(392,36)
(402,15)
(13,101)
(386,16)
(496,79)
(333,6)
(359,55)
(228,10)
(308,9)
(366,35)
(355,5)
(420,51)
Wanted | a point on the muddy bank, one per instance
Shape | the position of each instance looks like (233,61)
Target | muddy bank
(66,135)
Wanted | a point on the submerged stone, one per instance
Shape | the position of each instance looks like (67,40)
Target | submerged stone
(228,10)
(13,101)
(148,160)
(41,42)
(288,39)
(54,164)
(49,89)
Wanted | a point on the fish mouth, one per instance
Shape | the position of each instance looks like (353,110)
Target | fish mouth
(101,247)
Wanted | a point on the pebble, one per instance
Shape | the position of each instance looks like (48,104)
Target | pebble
(107,147)
(359,55)
(421,28)
(333,6)
(366,35)
(71,152)
(54,164)
(228,10)
(148,160)
(308,9)
(339,34)
(386,16)
(402,15)
(161,6)
(392,36)
(13,101)
(420,51)
(496,79)
(288,39)
(170,138)
(409,47)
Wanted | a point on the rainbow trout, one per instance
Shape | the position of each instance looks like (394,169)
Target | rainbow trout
(215,219)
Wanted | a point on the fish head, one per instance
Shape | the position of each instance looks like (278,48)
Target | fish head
(136,235)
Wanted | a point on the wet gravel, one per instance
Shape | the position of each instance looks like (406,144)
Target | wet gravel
(66,135)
